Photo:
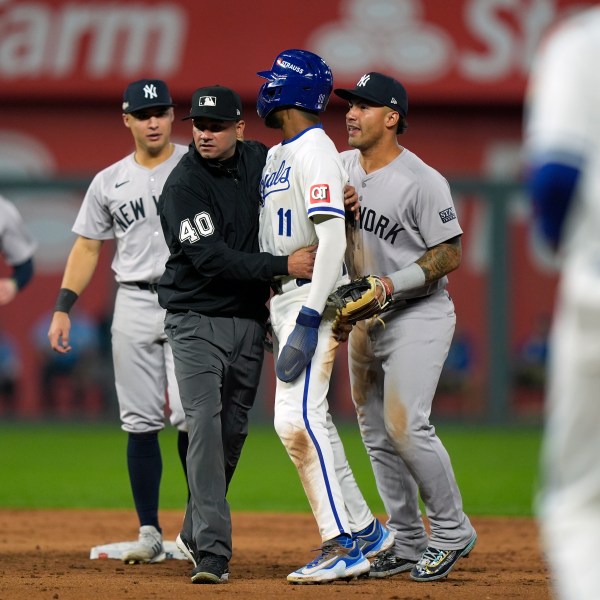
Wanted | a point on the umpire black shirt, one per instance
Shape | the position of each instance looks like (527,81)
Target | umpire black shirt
(209,215)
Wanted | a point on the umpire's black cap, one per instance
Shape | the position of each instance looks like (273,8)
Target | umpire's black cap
(146,93)
(380,89)
(215,102)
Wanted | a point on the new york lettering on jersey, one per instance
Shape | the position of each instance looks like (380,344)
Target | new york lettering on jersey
(127,213)
(379,225)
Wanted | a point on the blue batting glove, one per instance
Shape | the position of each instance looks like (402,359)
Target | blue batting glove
(300,346)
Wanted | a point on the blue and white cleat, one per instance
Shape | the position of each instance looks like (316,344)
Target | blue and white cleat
(374,539)
(340,558)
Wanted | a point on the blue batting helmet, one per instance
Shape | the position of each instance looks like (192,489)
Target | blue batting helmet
(297,78)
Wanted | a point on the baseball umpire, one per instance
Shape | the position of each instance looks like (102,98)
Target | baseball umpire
(409,232)
(215,288)
(122,204)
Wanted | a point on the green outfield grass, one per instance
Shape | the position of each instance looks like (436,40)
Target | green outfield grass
(84,466)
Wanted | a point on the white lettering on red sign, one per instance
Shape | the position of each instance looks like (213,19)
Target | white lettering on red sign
(101,39)
(397,38)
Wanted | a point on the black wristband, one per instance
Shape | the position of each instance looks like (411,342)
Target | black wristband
(66,299)
(23,273)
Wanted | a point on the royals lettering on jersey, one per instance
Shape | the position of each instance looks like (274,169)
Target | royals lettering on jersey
(302,177)
(277,181)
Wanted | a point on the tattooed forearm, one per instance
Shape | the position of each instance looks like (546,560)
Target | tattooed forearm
(441,259)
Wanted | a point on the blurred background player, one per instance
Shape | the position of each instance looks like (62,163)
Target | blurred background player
(17,248)
(562,136)
(302,204)
(122,204)
(409,232)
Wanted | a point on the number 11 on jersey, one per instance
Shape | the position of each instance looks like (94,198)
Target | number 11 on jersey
(285,222)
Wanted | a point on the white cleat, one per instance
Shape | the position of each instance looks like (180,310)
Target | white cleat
(149,548)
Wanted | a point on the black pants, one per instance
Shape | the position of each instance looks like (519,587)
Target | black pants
(218,362)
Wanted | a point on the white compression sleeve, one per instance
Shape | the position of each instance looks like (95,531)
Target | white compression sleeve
(406,279)
(331,232)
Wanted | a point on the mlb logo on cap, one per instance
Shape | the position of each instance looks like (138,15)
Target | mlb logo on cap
(207,101)
(216,102)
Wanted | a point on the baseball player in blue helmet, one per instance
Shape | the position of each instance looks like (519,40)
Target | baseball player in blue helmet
(302,205)
(298,78)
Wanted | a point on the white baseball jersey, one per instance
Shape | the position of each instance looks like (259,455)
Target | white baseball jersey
(302,177)
(122,203)
(16,244)
(398,229)
(562,120)
(563,126)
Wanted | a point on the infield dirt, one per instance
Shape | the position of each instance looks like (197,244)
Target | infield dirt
(45,555)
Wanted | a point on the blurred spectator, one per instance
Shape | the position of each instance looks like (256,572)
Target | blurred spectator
(10,367)
(456,372)
(69,382)
(530,364)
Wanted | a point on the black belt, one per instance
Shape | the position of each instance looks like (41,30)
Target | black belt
(276,285)
(404,302)
(145,285)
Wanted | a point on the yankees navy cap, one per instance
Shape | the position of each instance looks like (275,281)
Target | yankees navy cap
(216,102)
(146,93)
(380,89)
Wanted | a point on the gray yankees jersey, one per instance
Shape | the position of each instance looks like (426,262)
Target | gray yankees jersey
(395,230)
(122,204)
(16,244)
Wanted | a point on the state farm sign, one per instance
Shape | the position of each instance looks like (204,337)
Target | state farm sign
(39,40)
(450,50)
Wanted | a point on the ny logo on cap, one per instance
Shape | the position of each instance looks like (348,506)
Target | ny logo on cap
(207,101)
(150,91)
(363,80)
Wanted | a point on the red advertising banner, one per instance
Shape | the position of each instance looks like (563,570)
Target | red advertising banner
(457,51)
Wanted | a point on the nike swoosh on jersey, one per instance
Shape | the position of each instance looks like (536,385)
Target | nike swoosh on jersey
(118,185)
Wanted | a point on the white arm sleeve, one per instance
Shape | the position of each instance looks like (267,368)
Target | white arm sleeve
(331,232)
(406,279)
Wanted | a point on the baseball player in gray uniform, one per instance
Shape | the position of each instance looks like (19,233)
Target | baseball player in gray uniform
(409,233)
(17,247)
(122,204)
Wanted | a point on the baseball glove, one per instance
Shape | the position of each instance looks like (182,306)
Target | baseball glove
(362,298)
